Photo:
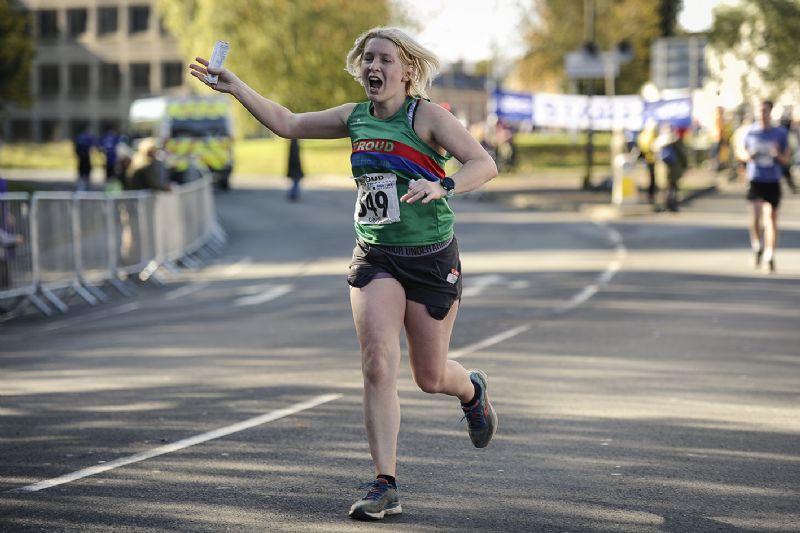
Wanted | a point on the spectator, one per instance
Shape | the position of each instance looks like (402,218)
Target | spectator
(84,142)
(505,153)
(672,153)
(146,170)
(295,170)
(8,240)
(737,144)
(645,141)
(109,144)
(123,161)
(793,138)
(720,139)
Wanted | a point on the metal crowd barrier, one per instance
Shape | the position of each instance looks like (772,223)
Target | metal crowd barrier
(18,261)
(57,243)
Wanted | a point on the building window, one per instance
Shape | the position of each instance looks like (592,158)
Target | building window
(49,81)
(108,124)
(110,80)
(48,24)
(21,131)
(76,22)
(139,18)
(172,74)
(49,130)
(106,20)
(140,77)
(77,126)
(79,80)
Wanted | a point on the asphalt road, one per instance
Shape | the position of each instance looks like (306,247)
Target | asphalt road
(646,379)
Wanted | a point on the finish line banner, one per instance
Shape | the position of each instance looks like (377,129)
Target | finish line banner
(580,112)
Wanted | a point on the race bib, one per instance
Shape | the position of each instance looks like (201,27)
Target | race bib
(377,201)
(763,156)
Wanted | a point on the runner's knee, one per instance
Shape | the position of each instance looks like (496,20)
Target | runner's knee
(378,365)
(429,382)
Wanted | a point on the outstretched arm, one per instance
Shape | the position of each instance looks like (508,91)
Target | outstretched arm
(328,124)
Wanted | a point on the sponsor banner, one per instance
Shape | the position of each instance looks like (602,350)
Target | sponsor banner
(514,107)
(581,112)
(678,111)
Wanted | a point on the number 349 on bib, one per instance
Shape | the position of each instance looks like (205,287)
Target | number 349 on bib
(377,201)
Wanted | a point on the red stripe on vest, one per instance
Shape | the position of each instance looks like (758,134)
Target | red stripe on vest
(383,146)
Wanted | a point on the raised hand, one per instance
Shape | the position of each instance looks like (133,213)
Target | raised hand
(225,82)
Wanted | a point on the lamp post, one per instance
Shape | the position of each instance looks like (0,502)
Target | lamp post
(590,64)
(590,48)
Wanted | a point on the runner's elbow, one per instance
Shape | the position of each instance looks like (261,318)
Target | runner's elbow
(491,169)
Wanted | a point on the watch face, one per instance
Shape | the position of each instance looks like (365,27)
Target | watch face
(448,184)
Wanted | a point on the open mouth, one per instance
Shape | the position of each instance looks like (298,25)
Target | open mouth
(375,83)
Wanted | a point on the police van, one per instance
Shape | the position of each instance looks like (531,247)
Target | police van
(194,131)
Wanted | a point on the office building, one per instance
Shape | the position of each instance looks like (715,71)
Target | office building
(93,57)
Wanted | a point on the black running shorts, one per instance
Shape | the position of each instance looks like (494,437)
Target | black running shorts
(433,280)
(769,191)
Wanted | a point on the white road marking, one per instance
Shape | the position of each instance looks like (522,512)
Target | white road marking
(181,444)
(479,283)
(270,294)
(250,290)
(238,266)
(577,300)
(581,297)
(185,291)
(490,341)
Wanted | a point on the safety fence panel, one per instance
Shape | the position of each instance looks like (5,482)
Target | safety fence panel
(194,217)
(132,231)
(93,235)
(209,210)
(63,240)
(56,239)
(170,233)
(16,250)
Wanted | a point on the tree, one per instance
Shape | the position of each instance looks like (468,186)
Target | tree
(16,55)
(557,29)
(763,34)
(669,10)
(292,52)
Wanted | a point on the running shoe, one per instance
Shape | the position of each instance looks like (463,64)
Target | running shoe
(481,418)
(382,499)
(757,258)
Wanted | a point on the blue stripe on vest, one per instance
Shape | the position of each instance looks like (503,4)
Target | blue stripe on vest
(389,162)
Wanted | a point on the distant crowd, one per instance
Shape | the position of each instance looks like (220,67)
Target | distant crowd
(126,168)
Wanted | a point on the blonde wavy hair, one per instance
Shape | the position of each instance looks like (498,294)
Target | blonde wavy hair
(424,63)
(145,154)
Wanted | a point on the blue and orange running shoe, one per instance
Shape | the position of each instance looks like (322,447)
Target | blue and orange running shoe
(481,418)
(382,499)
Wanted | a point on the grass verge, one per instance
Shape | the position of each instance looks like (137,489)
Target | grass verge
(535,151)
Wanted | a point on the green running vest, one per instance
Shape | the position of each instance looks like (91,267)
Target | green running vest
(386,155)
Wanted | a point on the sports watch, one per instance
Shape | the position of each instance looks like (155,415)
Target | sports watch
(449,186)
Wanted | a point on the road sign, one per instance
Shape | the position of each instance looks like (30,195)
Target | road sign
(678,62)
(582,66)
